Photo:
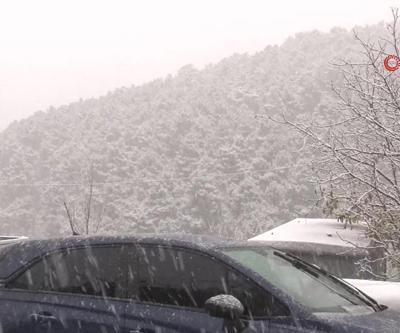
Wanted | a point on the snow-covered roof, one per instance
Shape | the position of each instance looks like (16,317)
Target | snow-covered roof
(321,231)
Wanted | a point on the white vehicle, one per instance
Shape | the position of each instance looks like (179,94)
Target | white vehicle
(338,250)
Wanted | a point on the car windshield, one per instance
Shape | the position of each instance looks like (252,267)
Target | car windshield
(306,284)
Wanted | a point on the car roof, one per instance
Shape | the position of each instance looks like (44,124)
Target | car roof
(14,256)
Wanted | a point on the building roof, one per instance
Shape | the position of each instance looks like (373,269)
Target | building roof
(320,231)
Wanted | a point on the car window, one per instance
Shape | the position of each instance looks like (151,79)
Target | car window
(88,271)
(185,278)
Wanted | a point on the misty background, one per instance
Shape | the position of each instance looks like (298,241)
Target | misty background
(56,52)
(153,117)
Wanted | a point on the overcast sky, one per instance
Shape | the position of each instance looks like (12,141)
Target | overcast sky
(53,52)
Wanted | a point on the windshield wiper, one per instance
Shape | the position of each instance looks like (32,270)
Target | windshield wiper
(359,293)
(300,263)
(347,285)
(296,263)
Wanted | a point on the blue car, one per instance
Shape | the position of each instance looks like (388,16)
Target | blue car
(171,284)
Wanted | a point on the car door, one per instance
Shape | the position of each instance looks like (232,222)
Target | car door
(168,288)
(77,290)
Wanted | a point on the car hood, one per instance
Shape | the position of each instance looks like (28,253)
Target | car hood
(386,321)
(384,292)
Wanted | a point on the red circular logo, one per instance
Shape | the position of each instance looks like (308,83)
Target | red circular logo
(392,62)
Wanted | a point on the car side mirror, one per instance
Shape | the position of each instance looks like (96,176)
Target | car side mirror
(224,306)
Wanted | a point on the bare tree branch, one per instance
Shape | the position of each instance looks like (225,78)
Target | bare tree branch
(70,220)
(357,161)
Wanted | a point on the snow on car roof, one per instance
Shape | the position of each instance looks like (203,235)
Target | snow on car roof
(321,231)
